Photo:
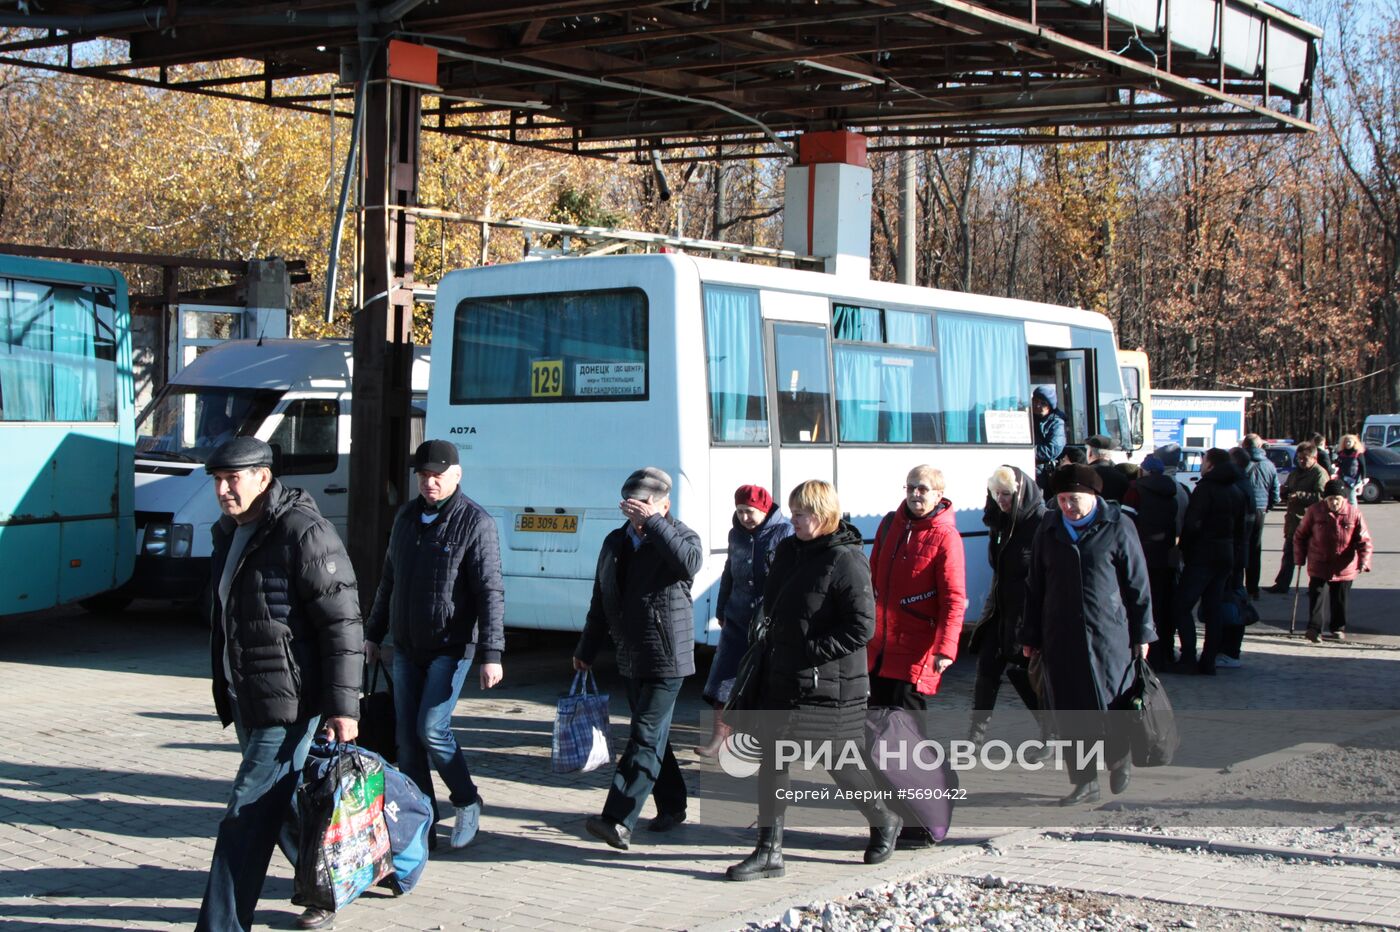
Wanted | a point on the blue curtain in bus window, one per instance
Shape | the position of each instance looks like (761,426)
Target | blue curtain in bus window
(734,352)
(857,324)
(907,328)
(26,374)
(983,362)
(885,396)
(75,395)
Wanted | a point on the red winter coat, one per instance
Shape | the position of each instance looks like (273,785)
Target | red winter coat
(920,595)
(1336,546)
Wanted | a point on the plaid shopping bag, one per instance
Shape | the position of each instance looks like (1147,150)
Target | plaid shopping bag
(581,728)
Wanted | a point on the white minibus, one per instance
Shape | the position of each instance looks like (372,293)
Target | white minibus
(556,378)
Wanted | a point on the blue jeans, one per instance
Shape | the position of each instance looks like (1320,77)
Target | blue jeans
(255,821)
(424,698)
(648,765)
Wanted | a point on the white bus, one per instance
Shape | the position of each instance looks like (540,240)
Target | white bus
(557,378)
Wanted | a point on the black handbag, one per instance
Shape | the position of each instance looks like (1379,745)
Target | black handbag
(1151,724)
(747,680)
(377,718)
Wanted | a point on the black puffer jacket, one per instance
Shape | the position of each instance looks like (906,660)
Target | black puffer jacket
(820,607)
(296,646)
(1009,553)
(441,592)
(642,599)
(1214,518)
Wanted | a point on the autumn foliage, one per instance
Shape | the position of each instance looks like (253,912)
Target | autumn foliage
(1263,262)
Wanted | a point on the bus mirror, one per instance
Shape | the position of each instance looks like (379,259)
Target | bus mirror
(1135,426)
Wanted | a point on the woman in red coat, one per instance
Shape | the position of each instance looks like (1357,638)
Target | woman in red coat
(1336,544)
(916,565)
(920,595)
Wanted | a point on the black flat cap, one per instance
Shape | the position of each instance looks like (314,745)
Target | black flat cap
(1102,442)
(240,453)
(435,456)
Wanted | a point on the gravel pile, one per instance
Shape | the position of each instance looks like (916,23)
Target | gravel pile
(991,903)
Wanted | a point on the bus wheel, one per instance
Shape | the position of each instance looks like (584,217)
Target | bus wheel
(108,603)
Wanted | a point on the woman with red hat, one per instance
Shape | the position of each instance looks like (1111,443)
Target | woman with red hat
(758,526)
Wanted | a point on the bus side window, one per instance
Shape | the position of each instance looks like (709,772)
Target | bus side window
(804,394)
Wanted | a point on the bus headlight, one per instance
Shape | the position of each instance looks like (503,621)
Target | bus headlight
(172,540)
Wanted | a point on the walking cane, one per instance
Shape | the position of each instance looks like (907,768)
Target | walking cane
(1293,619)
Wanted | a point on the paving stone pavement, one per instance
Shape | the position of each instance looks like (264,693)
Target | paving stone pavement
(1337,893)
(114,772)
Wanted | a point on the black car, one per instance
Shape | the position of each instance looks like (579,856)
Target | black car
(1382,474)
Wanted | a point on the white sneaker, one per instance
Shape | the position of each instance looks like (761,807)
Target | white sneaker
(468,821)
(1229,663)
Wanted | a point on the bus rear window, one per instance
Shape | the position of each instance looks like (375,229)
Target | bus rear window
(576,346)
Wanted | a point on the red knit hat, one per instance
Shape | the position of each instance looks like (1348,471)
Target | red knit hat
(754,496)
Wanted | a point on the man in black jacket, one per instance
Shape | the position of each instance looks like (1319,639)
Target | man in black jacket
(1213,527)
(641,598)
(286,649)
(441,595)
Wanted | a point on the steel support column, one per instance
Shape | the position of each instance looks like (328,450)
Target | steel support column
(379,432)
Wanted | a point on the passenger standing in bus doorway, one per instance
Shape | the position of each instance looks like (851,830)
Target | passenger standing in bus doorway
(641,599)
(759,525)
(286,644)
(1049,435)
(442,598)
(918,569)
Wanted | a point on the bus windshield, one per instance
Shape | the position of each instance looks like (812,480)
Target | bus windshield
(186,422)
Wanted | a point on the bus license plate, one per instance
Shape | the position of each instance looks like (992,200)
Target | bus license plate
(548,524)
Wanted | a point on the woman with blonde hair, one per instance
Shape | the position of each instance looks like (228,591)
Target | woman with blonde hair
(1350,464)
(820,612)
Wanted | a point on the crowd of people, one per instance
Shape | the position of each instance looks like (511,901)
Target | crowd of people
(1094,565)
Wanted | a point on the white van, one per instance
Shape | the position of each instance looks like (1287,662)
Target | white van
(1381,430)
(295,394)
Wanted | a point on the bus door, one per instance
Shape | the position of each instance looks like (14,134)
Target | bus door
(804,434)
(1069,370)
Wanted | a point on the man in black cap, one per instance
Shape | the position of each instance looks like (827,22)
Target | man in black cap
(286,652)
(641,598)
(442,597)
(1099,454)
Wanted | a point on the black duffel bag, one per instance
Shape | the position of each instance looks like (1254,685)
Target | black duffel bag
(377,731)
(1149,721)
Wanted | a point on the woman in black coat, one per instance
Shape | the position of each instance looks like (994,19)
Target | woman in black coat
(1088,614)
(820,611)
(1014,511)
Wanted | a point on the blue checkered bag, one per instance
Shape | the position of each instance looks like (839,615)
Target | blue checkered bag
(581,728)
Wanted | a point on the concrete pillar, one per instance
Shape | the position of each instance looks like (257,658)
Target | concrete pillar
(826,204)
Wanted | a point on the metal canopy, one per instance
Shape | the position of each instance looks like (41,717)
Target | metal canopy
(612,78)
